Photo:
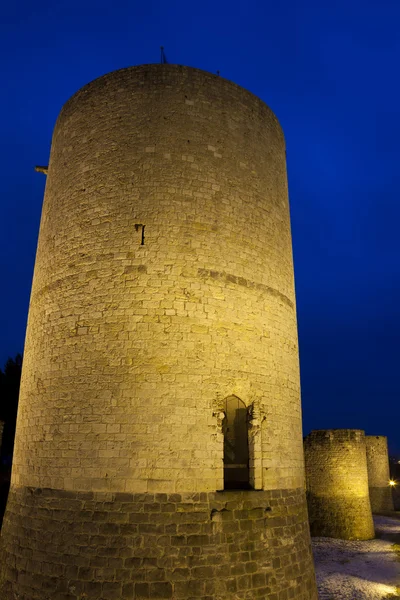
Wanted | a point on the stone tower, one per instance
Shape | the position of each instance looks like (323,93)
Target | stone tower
(160,383)
(380,492)
(337,484)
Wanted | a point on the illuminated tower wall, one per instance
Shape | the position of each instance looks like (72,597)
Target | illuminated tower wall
(162,304)
(380,492)
(337,484)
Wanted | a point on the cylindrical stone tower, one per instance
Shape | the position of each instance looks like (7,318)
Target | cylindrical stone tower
(161,359)
(380,492)
(337,484)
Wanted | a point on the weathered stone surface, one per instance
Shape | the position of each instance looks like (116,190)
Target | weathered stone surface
(134,339)
(380,492)
(246,545)
(337,484)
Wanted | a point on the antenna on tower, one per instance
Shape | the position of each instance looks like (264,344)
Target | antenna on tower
(163,58)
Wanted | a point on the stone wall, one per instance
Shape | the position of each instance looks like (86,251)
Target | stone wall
(380,492)
(337,484)
(116,546)
(163,284)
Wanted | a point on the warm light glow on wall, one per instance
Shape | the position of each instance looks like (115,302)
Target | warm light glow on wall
(382,588)
(392,483)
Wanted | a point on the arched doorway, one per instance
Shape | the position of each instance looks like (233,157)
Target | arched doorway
(236,445)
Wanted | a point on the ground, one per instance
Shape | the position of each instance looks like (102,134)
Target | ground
(360,570)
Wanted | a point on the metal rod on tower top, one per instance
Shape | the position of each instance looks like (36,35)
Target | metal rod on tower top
(163,58)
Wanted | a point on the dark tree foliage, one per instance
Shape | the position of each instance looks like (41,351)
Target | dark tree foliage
(10,379)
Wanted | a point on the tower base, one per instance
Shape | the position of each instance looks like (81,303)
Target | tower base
(340,517)
(381,499)
(240,545)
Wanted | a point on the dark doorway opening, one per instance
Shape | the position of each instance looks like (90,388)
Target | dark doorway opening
(236,445)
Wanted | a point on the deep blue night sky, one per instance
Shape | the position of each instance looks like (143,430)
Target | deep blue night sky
(330,73)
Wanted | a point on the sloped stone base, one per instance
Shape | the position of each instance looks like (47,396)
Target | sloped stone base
(58,545)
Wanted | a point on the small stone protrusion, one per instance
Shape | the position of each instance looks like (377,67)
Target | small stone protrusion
(41,169)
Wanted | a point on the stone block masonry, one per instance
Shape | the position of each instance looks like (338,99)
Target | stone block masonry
(380,492)
(120,546)
(163,287)
(337,484)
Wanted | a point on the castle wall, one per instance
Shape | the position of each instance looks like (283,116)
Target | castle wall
(163,284)
(380,492)
(337,484)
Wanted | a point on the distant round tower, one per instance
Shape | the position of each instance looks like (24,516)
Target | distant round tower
(161,380)
(337,484)
(380,492)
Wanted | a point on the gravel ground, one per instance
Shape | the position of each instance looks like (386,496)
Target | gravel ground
(355,570)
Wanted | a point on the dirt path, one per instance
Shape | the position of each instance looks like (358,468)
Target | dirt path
(360,570)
